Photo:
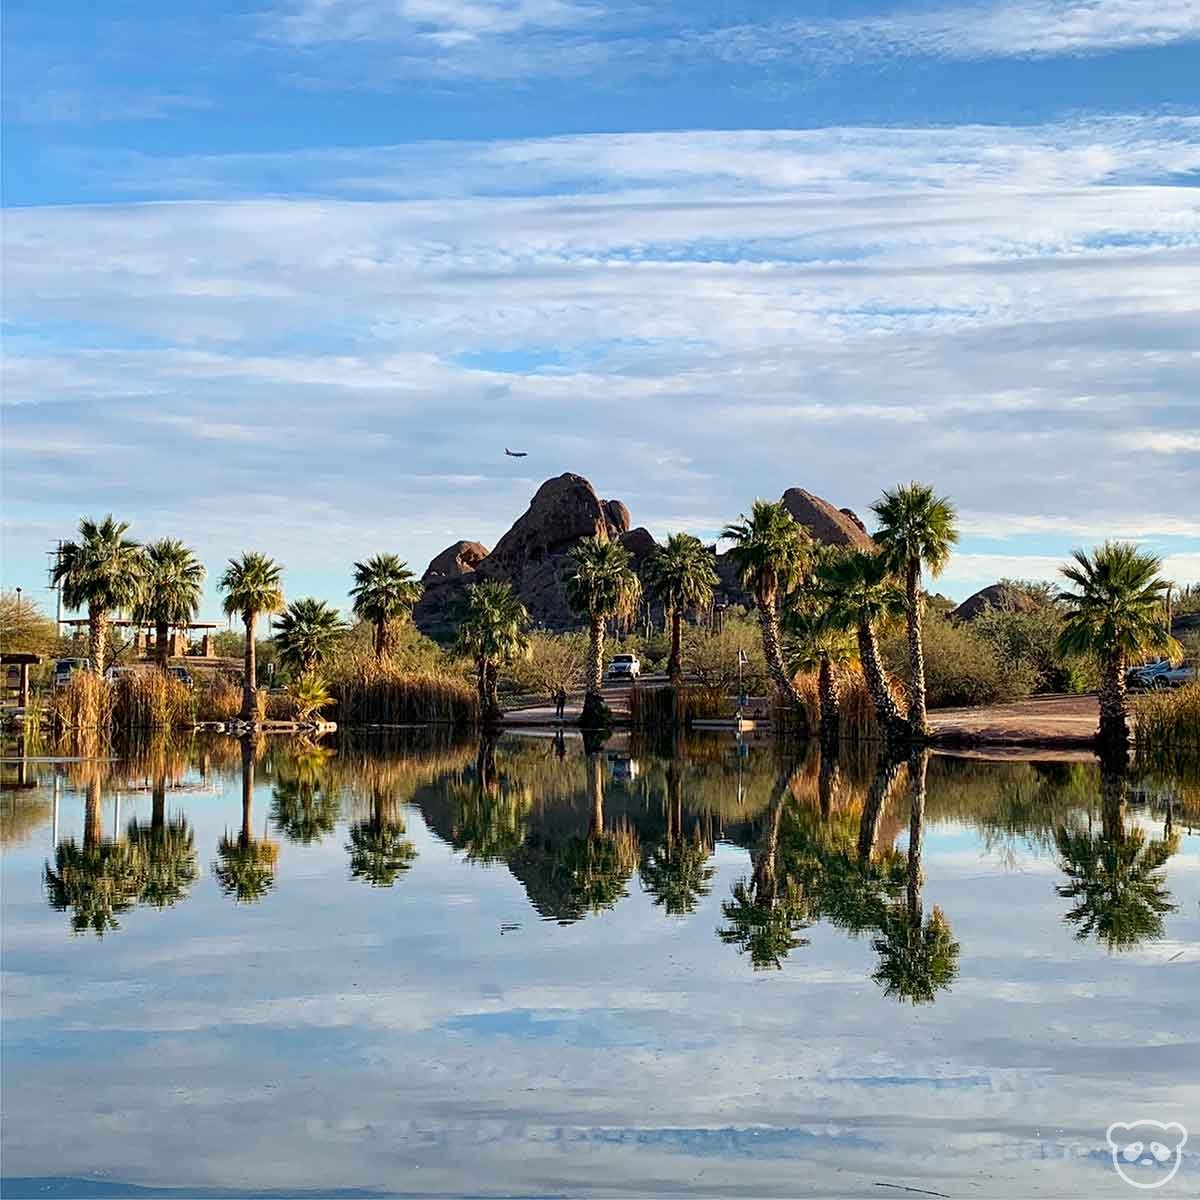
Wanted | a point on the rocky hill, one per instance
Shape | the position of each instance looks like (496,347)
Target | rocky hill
(532,555)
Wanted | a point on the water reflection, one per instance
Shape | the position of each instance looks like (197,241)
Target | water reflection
(245,865)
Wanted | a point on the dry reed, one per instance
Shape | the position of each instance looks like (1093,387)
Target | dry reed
(381,693)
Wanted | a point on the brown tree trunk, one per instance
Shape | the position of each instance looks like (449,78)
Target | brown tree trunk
(595,712)
(768,619)
(878,797)
(891,724)
(162,649)
(1112,802)
(675,662)
(97,630)
(380,638)
(158,811)
(1114,707)
(917,722)
(93,827)
(493,713)
(249,669)
(828,782)
(827,688)
(766,874)
(595,767)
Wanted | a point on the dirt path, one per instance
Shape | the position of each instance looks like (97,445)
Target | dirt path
(1049,721)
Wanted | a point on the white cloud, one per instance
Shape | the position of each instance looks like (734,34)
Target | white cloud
(688,319)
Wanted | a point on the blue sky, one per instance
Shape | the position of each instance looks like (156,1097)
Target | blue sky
(290,276)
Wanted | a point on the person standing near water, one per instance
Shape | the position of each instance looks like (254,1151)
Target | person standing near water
(560,702)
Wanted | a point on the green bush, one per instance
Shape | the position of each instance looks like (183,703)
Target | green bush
(1027,642)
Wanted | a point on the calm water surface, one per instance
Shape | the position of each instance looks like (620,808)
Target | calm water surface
(418,967)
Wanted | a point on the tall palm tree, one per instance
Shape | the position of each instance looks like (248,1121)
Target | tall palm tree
(174,587)
(103,571)
(384,591)
(681,576)
(917,957)
(771,550)
(861,592)
(245,866)
(307,633)
(916,530)
(253,584)
(603,585)
(1115,614)
(493,630)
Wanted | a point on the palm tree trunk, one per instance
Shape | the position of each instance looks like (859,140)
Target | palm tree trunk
(766,876)
(494,713)
(1114,707)
(161,648)
(918,724)
(1112,802)
(249,669)
(675,662)
(97,628)
(891,724)
(828,782)
(596,787)
(827,689)
(158,811)
(595,713)
(917,764)
(878,796)
(380,638)
(768,619)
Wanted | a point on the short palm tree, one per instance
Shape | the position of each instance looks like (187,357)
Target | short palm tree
(681,576)
(1116,614)
(102,572)
(253,584)
(771,550)
(603,584)
(916,530)
(493,630)
(307,633)
(384,591)
(174,587)
(861,591)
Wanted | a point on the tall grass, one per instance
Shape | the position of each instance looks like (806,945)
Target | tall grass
(857,712)
(652,709)
(218,698)
(85,701)
(1168,720)
(367,692)
(152,700)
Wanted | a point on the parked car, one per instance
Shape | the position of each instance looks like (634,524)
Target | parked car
(1139,678)
(624,666)
(183,675)
(1175,677)
(64,668)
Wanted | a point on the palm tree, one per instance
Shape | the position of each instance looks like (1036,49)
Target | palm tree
(252,584)
(174,587)
(303,808)
(492,629)
(602,585)
(103,571)
(771,551)
(861,591)
(307,634)
(917,529)
(676,871)
(245,866)
(681,576)
(817,641)
(384,591)
(1116,614)
(917,957)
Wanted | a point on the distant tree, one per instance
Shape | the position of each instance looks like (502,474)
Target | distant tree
(1116,614)
(253,584)
(24,627)
(917,529)
(307,633)
(493,630)
(771,550)
(104,571)
(174,587)
(681,576)
(602,585)
(384,591)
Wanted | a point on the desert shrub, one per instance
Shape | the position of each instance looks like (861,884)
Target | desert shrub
(24,627)
(712,657)
(857,711)
(555,659)
(152,700)
(1168,720)
(962,667)
(218,698)
(1027,643)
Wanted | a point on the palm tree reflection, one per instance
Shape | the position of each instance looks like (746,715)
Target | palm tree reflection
(380,851)
(245,866)
(1116,878)
(168,849)
(676,870)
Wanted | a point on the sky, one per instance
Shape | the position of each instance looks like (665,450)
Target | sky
(290,276)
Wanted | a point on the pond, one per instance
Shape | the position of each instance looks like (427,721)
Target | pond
(411,966)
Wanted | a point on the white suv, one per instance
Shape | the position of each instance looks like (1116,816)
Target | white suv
(624,666)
